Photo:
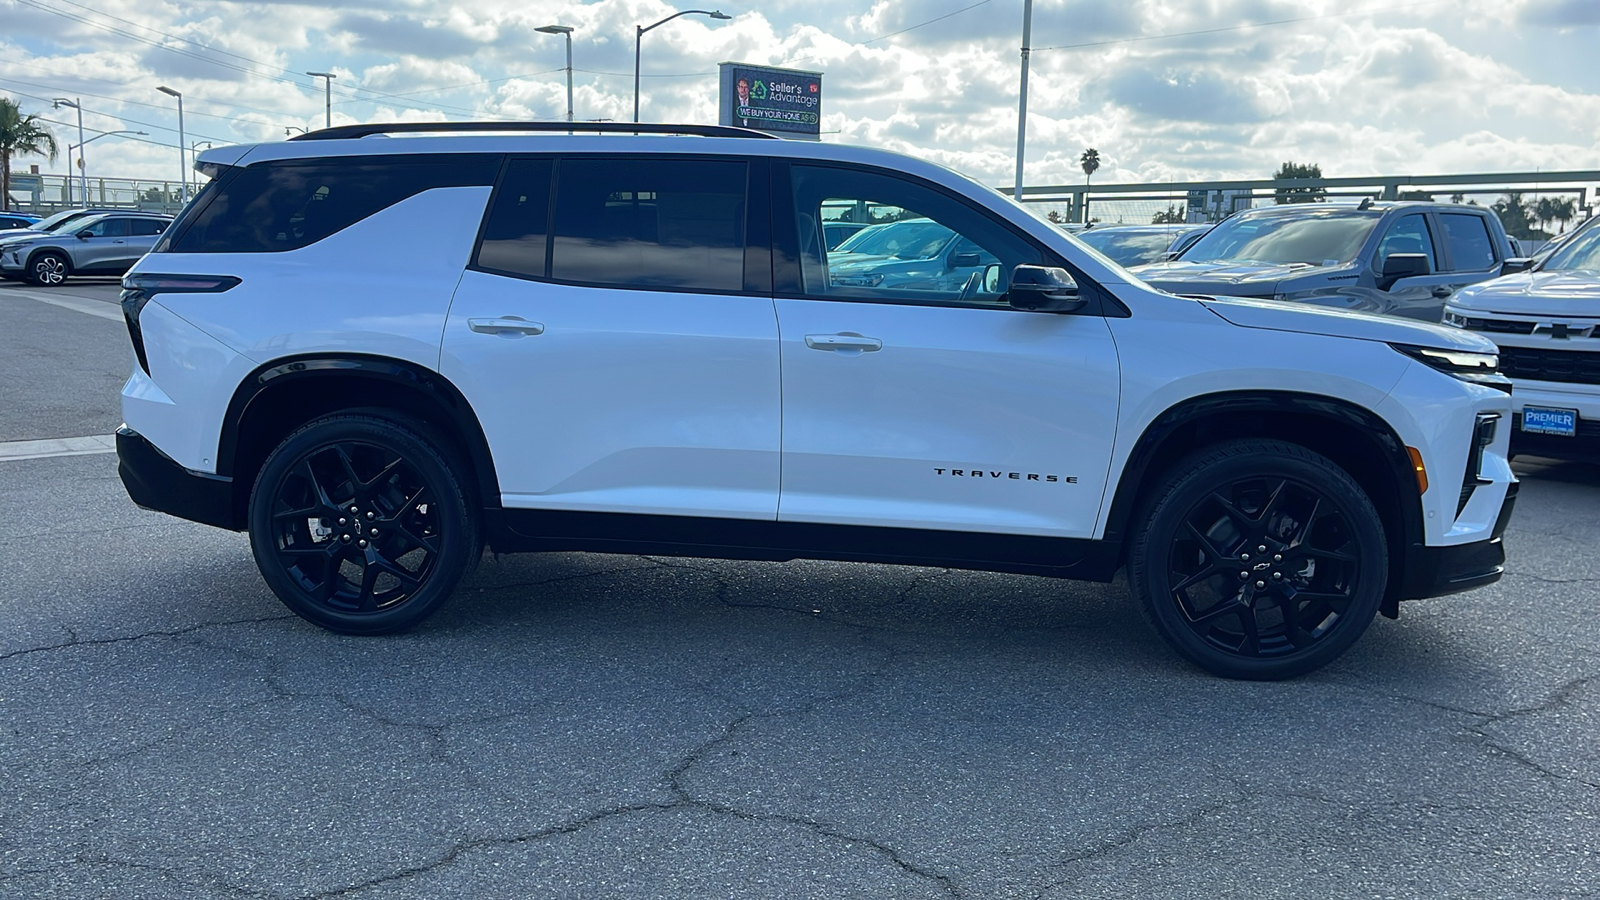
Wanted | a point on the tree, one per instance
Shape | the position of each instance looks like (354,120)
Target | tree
(20,134)
(1172,215)
(1516,217)
(1290,171)
(1054,217)
(1090,161)
(1416,195)
(1564,211)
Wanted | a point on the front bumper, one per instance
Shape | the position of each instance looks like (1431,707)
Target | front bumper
(155,482)
(1437,571)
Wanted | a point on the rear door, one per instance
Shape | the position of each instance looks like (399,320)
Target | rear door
(142,235)
(616,336)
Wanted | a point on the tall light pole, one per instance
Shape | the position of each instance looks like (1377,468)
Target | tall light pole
(566,30)
(79,147)
(83,177)
(183,163)
(327,92)
(638,38)
(1022,105)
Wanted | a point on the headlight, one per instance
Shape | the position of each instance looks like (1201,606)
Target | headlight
(1453,318)
(1467,365)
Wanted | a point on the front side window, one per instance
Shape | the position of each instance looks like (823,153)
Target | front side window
(650,222)
(1409,234)
(923,246)
(1324,237)
(105,228)
(1471,250)
(293,203)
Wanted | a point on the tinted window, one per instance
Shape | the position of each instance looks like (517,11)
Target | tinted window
(514,237)
(11,222)
(288,204)
(926,247)
(104,228)
(663,223)
(1323,237)
(1468,237)
(147,227)
(1409,234)
(1581,252)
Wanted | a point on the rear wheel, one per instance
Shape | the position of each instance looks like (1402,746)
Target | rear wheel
(360,523)
(1259,560)
(48,269)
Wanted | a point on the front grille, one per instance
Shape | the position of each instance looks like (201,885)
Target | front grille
(1498,326)
(1571,366)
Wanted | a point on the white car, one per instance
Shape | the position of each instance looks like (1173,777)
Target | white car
(378,355)
(1546,322)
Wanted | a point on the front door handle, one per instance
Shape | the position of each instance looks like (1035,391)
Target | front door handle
(507,325)
(1442,292)
(844,340)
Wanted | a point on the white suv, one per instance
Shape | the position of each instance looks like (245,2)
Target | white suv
(377,354)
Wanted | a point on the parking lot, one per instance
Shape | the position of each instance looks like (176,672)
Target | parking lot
(580,725)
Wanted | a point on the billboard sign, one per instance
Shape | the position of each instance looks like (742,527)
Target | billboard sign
(786,102)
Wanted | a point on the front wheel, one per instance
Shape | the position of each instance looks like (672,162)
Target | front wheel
(1259,560)
(48,269)
(360,523)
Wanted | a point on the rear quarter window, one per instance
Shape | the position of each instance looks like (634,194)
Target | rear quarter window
(288,204)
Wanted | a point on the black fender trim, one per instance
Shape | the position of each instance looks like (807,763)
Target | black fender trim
(402,373)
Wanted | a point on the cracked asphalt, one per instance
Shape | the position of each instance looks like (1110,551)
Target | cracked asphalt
(580,725)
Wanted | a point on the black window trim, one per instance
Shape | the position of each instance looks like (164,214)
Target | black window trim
(757,230)
(786,266)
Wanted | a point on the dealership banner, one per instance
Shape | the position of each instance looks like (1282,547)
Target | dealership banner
(783,101)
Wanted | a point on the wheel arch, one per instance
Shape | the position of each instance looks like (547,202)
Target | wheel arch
(281,395)
(1355,438)
(53,251)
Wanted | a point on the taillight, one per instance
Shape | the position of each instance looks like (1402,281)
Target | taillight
(138,289)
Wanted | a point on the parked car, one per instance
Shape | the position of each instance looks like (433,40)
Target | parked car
(105,244)
(49,225)
(1546,322)
(376,356)
(1400,258)
(1134,245)
(909,254)
(12,220)
(834,233)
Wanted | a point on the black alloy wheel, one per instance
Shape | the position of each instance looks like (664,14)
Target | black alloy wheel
(49,269)
(1260,560)
(360,524)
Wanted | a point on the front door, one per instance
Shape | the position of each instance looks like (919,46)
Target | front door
(923,400)
(101,247)
(609,339)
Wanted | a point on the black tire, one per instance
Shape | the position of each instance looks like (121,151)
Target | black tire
(360,522)
(1259,559)
(49,269)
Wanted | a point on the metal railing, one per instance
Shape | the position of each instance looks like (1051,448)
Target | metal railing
(46,194)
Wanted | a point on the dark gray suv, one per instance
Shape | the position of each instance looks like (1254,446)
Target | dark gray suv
(1402,258)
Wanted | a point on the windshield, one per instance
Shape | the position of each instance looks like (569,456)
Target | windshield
(57,220)
(1316,238)
(920,239)
(1580,252)
(1128,248)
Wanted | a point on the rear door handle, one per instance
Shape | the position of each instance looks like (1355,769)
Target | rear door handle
(508,325)
(844,340)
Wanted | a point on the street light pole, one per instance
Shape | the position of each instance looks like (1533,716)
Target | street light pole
(83,177)
(183,163)
(79,147)
(327,92)
(638,38)
(1022,104)
(564,30)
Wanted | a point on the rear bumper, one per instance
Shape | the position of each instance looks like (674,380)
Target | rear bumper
(155,482)
(1437,571)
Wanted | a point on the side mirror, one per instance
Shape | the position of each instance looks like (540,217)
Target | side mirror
(1044,289)
(1513,266)
(965,260)
(85,234)
(991,280)
(1402,265)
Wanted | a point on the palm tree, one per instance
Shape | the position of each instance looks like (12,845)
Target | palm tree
(1563,211)
(1090,160)
(20,134)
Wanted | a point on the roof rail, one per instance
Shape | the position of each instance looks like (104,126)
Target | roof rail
(346,132)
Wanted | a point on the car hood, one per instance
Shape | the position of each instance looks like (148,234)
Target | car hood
(21,234)
(1281,316)
(1234,279)
(1563,292)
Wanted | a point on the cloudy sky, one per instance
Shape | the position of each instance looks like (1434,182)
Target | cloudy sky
(1164,89)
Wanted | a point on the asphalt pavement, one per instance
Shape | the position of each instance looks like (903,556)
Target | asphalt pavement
(584,725)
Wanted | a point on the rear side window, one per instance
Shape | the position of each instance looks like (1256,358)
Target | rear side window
(650,222)
(515,235)
(1468,237)
(289,204)
(147,227)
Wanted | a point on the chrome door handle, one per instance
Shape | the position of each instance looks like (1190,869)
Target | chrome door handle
(505,325)
(844,340)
